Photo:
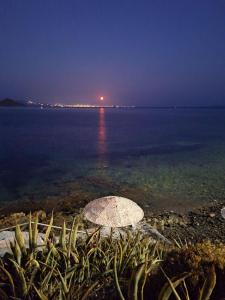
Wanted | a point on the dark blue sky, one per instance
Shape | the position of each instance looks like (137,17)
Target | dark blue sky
(153,52)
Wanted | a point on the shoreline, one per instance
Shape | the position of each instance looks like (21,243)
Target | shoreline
(194,225)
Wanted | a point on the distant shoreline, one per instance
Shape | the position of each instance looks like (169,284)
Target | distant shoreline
(115,107)
(15,103)
(136,107)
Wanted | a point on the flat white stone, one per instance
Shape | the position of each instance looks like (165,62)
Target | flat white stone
(113,211)
(9,236)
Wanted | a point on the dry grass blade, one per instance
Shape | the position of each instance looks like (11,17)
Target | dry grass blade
(62,239)
(89,290)
(186,290)
(30,232)
(22,281)
(20,239)
(116,278)
(130,252)
(92,236)
(171,285)
(53,250)
(76,223)
(73,236)
(34,264)
(35,232)
(3,295)
(40,294)
(136,279)
(8,275)
(63,282)
(208,285)
(17,252)
(49,228)
(147,270)
(46,280)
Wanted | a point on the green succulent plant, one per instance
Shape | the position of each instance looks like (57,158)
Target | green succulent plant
(66,266)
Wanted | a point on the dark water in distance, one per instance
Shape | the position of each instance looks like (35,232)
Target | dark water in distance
(164,157)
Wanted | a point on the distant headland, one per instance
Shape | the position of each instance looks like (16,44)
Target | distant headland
(11,103)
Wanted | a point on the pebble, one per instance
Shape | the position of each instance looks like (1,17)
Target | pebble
(41,214)
(212,215)
(18,215)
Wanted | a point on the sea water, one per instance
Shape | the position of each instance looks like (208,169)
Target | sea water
(160,158)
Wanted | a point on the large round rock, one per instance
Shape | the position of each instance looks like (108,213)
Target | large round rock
(113,211)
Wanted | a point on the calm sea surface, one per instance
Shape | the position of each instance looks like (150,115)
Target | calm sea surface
(159,158)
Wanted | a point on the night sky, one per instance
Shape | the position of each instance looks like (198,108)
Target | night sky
(153,52)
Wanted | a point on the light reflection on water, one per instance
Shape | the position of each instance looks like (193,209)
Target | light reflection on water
(102,147)
(146,155)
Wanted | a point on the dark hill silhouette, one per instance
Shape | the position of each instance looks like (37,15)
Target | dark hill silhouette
(10,102)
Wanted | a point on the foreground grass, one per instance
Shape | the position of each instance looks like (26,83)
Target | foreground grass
(129,267)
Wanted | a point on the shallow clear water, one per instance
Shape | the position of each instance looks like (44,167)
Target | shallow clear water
(160,158)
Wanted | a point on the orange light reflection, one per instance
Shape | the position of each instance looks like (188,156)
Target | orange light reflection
(102,148)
